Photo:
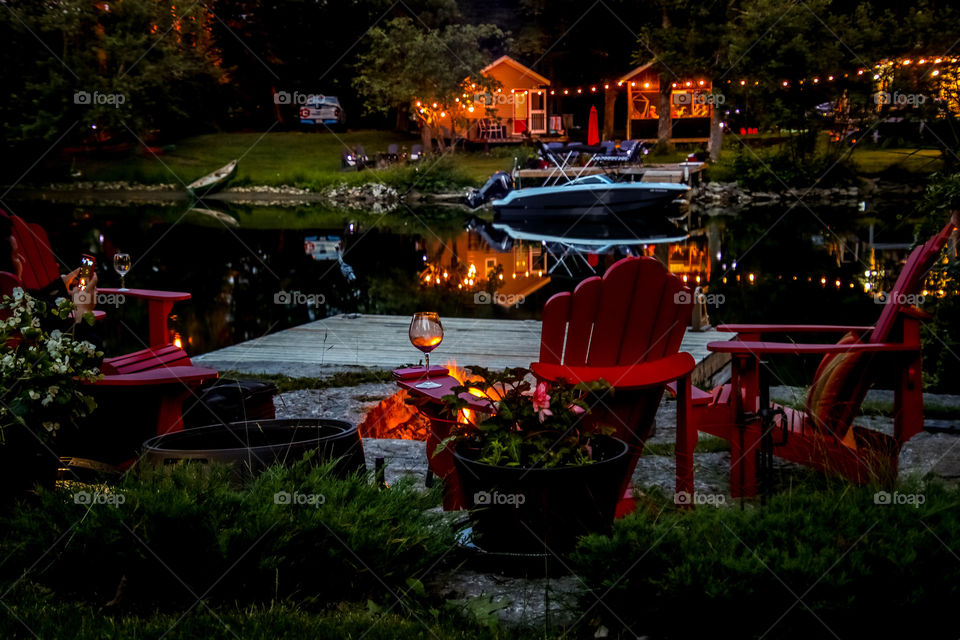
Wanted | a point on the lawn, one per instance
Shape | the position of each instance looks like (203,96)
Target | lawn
(302,159)
(312,160)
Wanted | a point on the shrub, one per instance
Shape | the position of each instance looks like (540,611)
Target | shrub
(431,176)
(942,339)
(770,171)
(41,614)
(188,529)
(808,561)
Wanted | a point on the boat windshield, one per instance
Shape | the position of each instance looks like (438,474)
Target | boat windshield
(597,179)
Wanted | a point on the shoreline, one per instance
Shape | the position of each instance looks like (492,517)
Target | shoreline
(381,197)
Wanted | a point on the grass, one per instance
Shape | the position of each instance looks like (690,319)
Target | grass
(823,556)
(36,613)
(705,444)
(341,379)
(312,160)
(302,159)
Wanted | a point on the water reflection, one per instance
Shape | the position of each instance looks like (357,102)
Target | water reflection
(280,267)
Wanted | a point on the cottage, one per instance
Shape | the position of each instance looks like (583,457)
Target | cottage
(687,104)
(517,108)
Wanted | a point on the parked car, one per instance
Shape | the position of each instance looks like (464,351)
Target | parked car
(323,110)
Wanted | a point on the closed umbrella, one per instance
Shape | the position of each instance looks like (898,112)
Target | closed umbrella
(593,131)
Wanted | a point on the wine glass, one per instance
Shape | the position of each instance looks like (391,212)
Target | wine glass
(122,264)
(426,334)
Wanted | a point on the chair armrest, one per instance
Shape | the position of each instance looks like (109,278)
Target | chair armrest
(147,294)
(631,376)
(791,328)
(168,375)
(764,348)
(160,304)
(914,312)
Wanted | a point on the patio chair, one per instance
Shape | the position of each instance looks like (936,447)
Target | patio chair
(822,435)
(626,328)
(388,157)
(628,153)
(416,153)
(161,367)
(489,129)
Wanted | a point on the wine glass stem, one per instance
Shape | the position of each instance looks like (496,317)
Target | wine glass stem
(427,357)
(122,279)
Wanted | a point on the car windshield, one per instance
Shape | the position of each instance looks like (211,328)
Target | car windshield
(319,101)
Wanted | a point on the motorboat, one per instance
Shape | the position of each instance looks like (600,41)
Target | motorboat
(594,196)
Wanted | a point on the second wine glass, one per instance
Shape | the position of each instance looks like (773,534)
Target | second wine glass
(122,264)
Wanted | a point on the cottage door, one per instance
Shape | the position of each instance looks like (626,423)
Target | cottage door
(538,112)
(519,112)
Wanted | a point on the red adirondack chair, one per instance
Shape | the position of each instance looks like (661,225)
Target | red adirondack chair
(823,435)
(625,328)
(163,371)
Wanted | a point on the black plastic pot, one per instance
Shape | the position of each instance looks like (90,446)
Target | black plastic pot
(253,446)
(517,510)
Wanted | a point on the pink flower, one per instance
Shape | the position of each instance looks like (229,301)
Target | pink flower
(577,409)
(541,401)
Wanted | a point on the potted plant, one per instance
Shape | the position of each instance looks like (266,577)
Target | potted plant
(536,471)
(43,372)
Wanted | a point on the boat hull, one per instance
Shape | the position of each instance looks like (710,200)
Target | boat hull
(585,201)
(212,182)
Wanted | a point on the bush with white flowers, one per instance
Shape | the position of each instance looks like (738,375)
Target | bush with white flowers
(43,372)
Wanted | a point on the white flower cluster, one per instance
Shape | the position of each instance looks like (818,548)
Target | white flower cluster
(44,371)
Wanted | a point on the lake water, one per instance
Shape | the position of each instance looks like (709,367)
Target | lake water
(277,267)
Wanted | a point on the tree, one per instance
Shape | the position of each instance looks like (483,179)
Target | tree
(106,70)
(435,71)
(691,39)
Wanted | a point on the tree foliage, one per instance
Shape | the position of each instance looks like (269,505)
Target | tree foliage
(433,70)
(88,71)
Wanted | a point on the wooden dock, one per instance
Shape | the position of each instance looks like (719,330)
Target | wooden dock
(381,342)
(682,172)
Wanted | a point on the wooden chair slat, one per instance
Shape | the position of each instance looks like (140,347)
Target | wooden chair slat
(668,321)
(616,295)
(651,279)
(40,268)
(583,310)
(554,328)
